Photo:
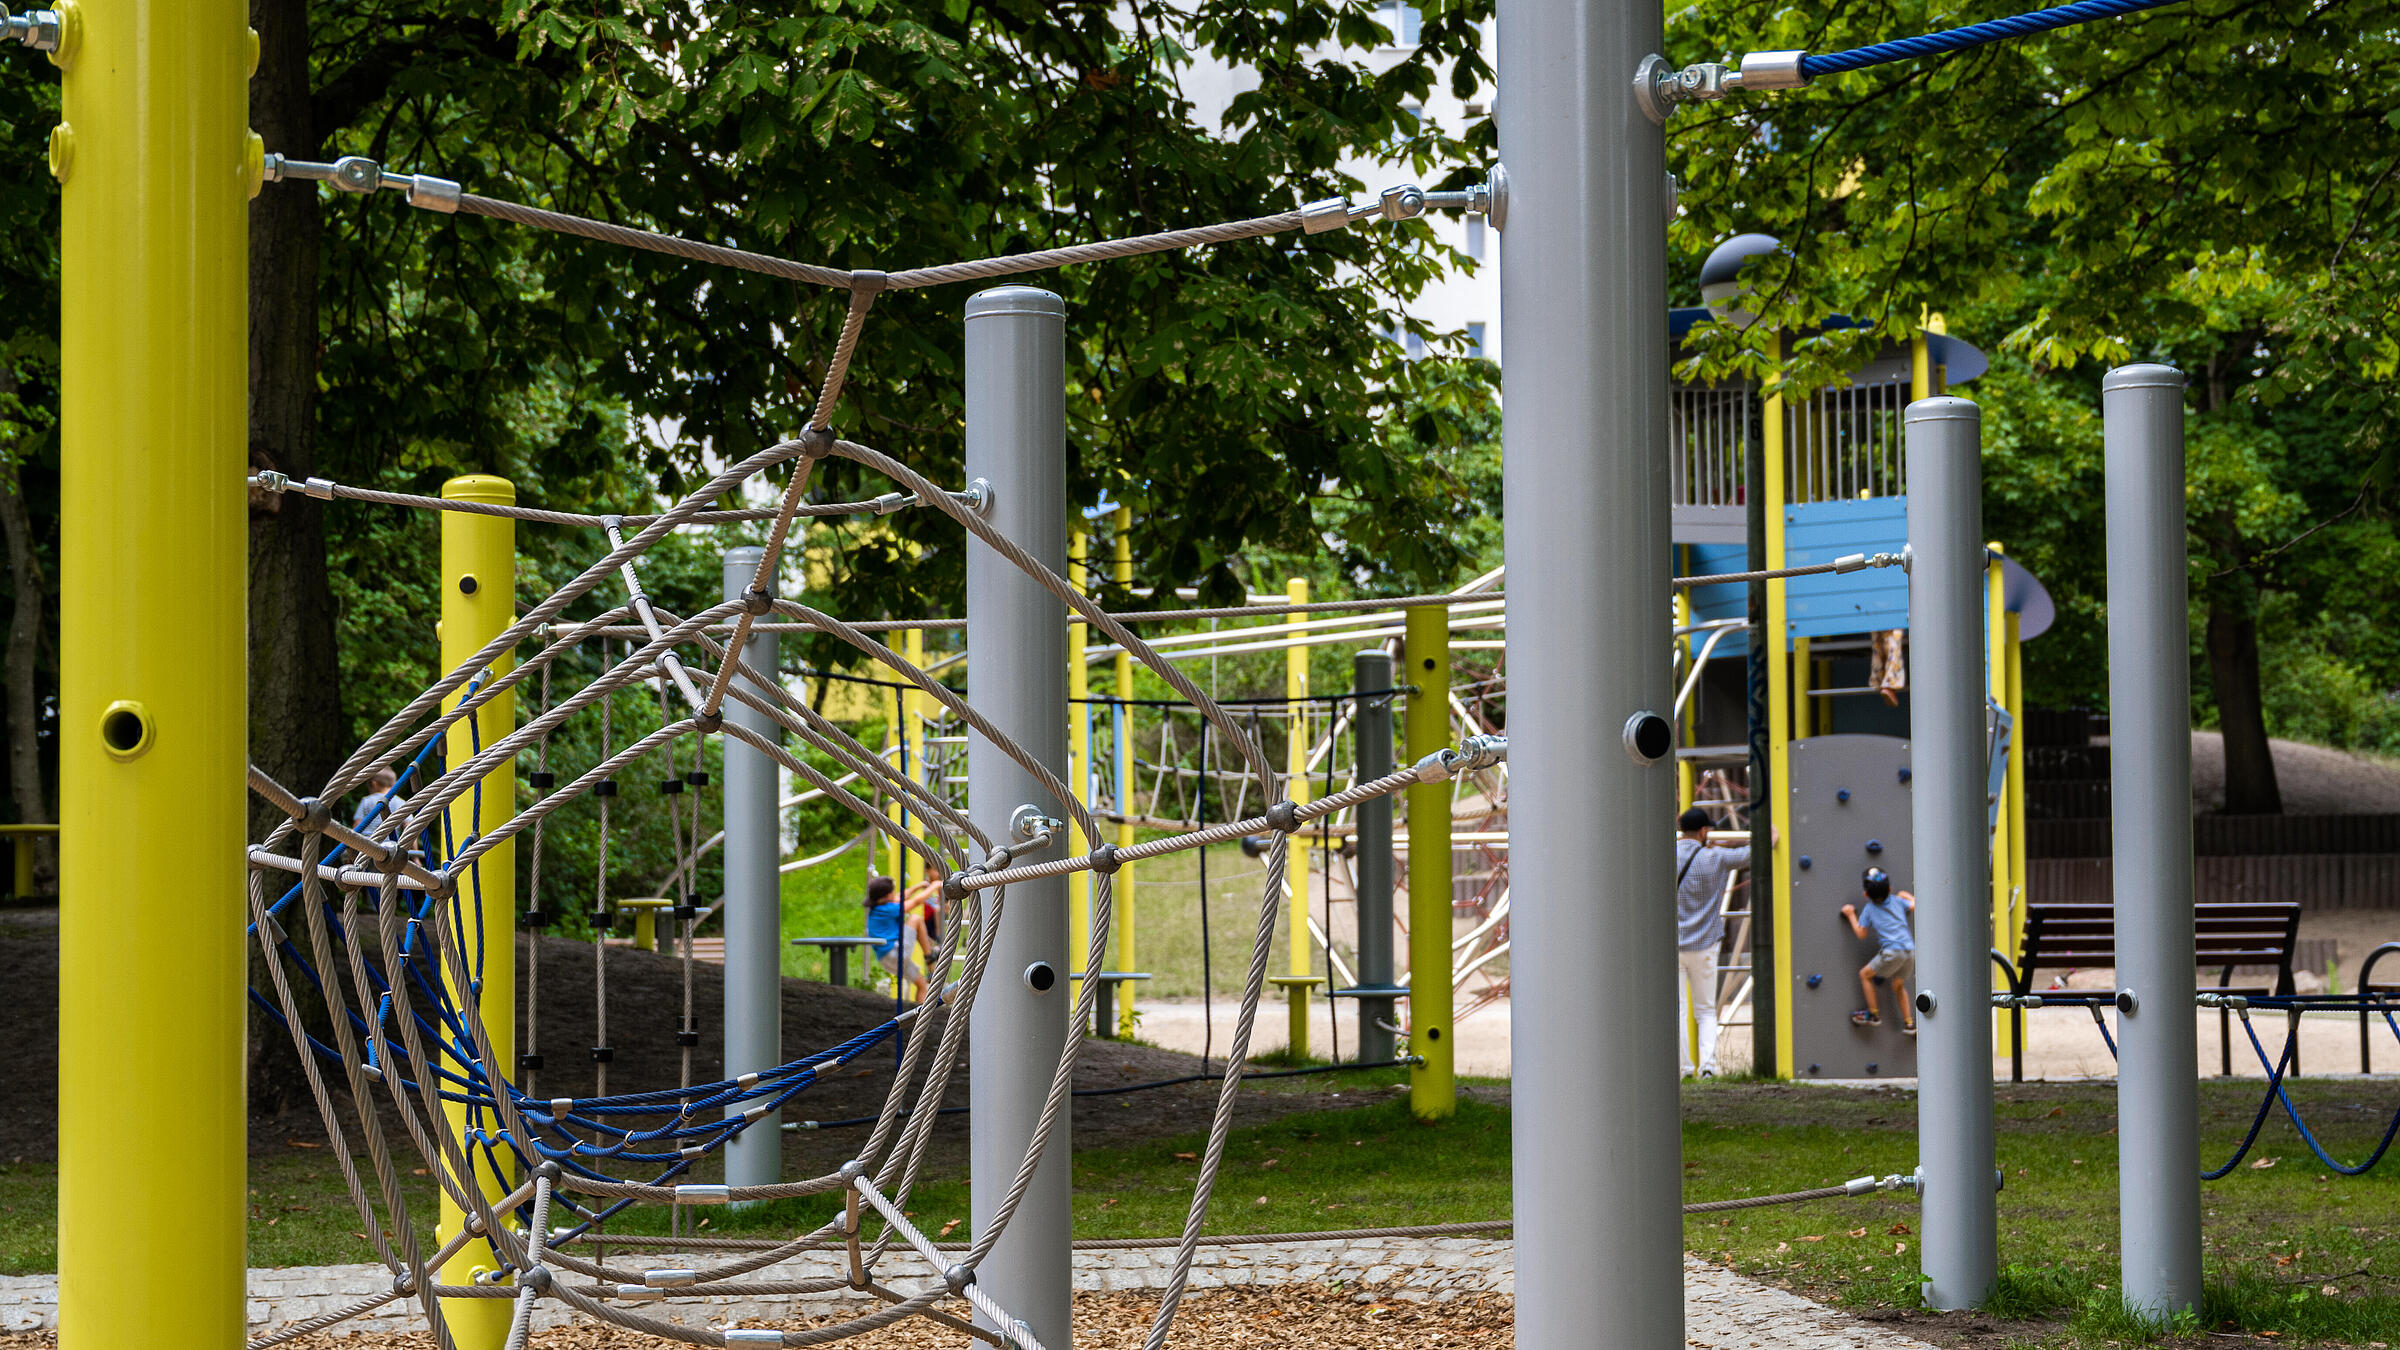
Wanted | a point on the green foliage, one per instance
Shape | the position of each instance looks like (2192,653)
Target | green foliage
(2187,185)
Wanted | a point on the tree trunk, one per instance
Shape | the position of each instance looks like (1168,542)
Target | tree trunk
(20,668)
(296,727)
(2232,644)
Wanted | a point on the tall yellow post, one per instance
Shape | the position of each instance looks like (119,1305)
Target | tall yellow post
(1995,629)
(478,581)
(154,232)
(1079,774)
(2019,883)
(1684,775)
(912,749)
(1295,876)
(1804,707)
(1432,1085)
(1126,837)
(1779,729)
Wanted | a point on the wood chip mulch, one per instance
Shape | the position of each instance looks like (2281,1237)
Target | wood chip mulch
(1285,1318)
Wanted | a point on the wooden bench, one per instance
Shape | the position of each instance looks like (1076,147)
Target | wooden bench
(2225,936)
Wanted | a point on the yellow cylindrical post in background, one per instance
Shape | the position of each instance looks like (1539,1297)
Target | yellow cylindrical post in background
(1804,707)
(1295,876)
(1079,775)
(1995,627)
(478,581)
(1432,1085)
(2013,937)
(154,535)
(1779,733)
(912,750)
(1126,838)
(1684,642)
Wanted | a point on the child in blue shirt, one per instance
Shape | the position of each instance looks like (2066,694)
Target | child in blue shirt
(1895,948)
(896,934)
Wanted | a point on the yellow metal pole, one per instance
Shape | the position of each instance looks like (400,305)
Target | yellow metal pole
(1779,736)
(912,741)
(1691,650)
(1295,876)
(1079,774)
(1432,1085)
(1804,708)
(2018,884)
(1126,837)
(1995,629)
(156,162)
(478,581)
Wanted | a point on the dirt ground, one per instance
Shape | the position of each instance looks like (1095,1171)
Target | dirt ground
(646,1000)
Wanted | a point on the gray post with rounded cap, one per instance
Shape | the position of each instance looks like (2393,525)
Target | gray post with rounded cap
(1017,439)
(752,907)
(1948,753)
(1597,1140)
(1372,720)
(2150,802)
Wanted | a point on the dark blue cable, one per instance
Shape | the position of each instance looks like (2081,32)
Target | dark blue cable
(1973,35)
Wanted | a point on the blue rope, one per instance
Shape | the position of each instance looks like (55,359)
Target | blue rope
(2276,1093)
(1973,35)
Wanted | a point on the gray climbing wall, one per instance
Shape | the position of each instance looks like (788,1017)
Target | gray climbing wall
(1845,810)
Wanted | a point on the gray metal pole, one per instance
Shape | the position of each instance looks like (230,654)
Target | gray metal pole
(753,904)
(1372,723)
(2150,793)
(1597,1141)
(1948,751)
(1017,439)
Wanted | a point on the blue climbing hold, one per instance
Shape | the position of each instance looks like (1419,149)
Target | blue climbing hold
(1874,846)
(1805,864)
(1842,795)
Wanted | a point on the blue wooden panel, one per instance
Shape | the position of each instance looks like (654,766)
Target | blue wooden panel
(1818,606)
(1849,602)
(1731,601)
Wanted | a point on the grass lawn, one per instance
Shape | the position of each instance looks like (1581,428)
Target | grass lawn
(2292,1249)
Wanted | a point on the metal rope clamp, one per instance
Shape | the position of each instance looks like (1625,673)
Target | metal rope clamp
(1659,87)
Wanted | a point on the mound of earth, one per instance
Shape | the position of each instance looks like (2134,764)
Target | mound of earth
(2314,780)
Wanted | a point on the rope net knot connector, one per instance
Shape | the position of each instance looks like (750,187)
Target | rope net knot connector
(1104,860)
(756,601)
(1284,816)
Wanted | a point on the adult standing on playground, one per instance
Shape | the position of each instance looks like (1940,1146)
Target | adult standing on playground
(1700,873)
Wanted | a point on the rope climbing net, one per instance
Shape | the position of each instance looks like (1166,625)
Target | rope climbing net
(377,955)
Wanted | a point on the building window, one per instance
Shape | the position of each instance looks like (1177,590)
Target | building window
(1475,339)
(1475,238)
(1402,21)
(1416,346)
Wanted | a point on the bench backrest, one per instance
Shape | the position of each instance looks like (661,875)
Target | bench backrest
(2247,933)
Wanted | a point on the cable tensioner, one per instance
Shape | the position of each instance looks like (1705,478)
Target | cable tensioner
(357,173)
(1659,87)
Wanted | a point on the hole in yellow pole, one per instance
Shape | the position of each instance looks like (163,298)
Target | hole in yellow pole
(125,729)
